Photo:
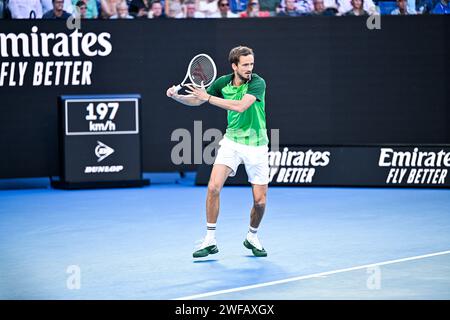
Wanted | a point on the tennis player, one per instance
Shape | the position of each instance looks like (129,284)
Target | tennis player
(242,94)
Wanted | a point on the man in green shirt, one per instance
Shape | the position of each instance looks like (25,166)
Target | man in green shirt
(242,94)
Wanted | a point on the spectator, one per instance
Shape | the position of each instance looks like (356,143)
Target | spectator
(346,6)
(269,5)
(25,9)
(358,9)
(303,6)
(402,8)
(253,11)
(81,9)
(238,6)
(156,11)
(174,8)
(426,6)
(91,8)
(191,11)
(122,11)
(442,8)
(208,7)
(224,10)
(331,8)
(318,7)
(140,8)
(108,8)
(290,10)
(47,5)
(57,12)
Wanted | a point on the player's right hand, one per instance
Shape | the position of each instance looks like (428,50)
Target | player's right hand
(171,92)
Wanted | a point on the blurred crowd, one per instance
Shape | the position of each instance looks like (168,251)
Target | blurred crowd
(157,9)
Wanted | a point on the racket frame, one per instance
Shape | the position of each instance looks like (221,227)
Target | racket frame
(188,75)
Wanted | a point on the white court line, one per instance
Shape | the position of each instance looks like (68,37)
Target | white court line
(315,275)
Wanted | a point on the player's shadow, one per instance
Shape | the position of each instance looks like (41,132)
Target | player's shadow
(206,261)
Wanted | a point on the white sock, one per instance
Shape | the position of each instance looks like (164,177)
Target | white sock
(252,231)
(210,230)
(252,236)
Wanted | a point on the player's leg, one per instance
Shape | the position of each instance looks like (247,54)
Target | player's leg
(259,204)
(219,175)
(256,214)
(226,164)
(256,162)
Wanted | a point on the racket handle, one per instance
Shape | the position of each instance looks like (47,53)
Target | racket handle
(177,88)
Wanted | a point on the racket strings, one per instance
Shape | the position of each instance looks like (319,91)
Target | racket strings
(202,70)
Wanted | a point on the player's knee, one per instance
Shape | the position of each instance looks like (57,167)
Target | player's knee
(259,203)
(214,189)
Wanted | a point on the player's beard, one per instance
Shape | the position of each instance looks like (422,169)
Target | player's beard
(243,79)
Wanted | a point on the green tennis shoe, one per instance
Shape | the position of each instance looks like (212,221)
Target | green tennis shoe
(256,252)
(205,251)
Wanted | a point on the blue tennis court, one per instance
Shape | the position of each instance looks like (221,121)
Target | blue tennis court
(137,243)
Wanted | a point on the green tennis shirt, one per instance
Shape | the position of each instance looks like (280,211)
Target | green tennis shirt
(248,127)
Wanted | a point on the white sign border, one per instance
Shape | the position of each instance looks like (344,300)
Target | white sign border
(100,133)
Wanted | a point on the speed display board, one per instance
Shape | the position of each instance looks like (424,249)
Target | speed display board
(101,140)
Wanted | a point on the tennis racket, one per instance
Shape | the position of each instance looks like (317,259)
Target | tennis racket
(201,69)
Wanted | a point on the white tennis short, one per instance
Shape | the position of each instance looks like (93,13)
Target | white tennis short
(255,159)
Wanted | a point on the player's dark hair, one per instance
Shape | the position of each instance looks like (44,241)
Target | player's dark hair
(237,52)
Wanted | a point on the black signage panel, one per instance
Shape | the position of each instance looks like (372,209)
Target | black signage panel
(375,166)
(101,142)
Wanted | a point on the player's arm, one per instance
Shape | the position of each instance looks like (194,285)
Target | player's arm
(189,100)
(233,105)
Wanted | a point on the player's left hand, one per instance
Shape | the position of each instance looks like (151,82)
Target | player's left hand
(199,93)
